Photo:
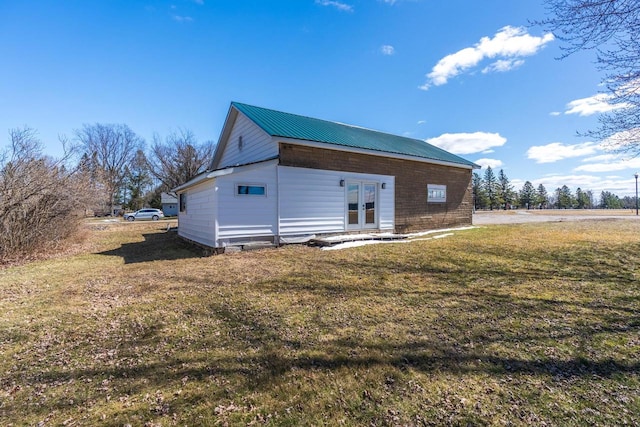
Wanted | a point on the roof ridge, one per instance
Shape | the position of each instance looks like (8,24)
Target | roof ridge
(330,121)
(295,126)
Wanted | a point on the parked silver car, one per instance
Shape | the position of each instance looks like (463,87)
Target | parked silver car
(142,214)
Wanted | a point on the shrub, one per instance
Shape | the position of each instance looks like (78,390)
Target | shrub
(41,199)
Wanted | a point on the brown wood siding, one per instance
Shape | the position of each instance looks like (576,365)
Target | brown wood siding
(412,211)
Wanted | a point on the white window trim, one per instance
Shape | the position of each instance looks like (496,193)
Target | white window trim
(249,184)
(436,187)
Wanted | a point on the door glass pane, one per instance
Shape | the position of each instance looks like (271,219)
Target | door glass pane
(352,201)
(370,203)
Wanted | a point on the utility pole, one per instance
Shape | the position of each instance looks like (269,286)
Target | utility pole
(636,175)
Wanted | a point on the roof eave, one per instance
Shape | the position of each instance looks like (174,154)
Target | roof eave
(194,181)
(229,121)
(209,175)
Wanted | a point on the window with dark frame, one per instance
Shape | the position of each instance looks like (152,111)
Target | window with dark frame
(183,202)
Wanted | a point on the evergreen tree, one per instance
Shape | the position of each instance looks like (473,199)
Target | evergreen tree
(609,200)
(542,198)
(505,190)
(480,199)
(490,187)
(528,195)
(138,181)
(582,199)
(565,199)
(515,198)
(590,198)
(629,202)
(154,198)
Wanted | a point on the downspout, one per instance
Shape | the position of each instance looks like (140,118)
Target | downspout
(216,213)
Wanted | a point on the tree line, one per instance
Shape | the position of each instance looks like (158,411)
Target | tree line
(496,192)
(123,173)
(43,199)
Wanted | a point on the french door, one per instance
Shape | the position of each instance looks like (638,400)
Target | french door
(362,205)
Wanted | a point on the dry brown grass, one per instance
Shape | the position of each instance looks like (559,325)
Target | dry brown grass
(526,324)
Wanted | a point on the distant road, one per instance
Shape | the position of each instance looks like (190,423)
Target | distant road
(549,215)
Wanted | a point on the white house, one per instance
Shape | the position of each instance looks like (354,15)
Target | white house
(278,177)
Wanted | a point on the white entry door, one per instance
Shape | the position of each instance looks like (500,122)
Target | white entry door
(362,205)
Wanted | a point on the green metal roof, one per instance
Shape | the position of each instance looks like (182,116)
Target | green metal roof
(286,125)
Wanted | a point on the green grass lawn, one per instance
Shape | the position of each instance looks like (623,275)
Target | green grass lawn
(523,324)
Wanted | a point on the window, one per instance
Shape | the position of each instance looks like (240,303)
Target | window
(240,143)
(251,190)
(436,193)
(183,202)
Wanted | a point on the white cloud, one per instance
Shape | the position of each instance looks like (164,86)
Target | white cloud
(182,19)
(421,122)
(593,105)
(619,185)
(494,163)
(503,65)
(337,4)
(387,49)
(557,151)
(602,158)
(608,162)
(391,2)
(468,143)
(517,183)
(624,140)
(585,182)
(509,45)
(610,166)
(599,159)
(630,88)
(555,113)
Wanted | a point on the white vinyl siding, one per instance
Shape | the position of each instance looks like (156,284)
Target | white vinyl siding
(297,201)
(256,144)
(197,222)
(242,216)
(313,202)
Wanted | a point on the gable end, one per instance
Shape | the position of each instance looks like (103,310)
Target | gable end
(242,141)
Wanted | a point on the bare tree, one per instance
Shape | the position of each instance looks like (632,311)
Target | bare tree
(178,158)
(93,175)
(612,29)
(111,147)
(40,197)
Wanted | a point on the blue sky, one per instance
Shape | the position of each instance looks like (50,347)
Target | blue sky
(471,77)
